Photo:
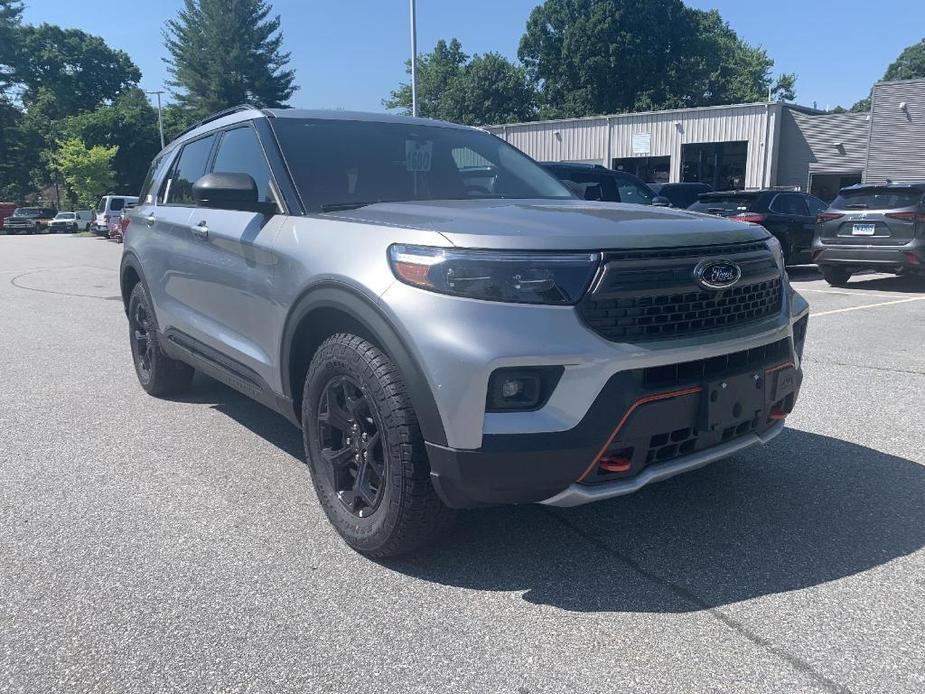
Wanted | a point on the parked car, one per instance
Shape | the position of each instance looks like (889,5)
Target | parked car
(108,210)
(596,182)
(29,220)
(680,195)
(789,215)
(444,345)
(71,221)
(872,226)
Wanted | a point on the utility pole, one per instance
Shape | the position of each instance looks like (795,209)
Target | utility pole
(414,60)
(160,120)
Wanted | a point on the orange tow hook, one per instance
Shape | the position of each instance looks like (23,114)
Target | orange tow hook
(615,464)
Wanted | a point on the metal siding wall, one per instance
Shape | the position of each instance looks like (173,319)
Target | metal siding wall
(807,144)
(586,139)
(897,138)
(578,140)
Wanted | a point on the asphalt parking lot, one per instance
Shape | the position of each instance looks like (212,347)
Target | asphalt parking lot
(152,545)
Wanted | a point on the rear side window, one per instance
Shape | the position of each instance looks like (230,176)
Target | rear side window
(239,152)
(877,199)
(190,167)
(815,205)
(632,192)
(790,204)
(725,205)
(116,204)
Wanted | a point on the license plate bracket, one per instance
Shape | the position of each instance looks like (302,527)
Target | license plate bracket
(863,229)
(732,400)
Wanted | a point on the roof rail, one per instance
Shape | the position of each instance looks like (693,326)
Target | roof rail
(217,115)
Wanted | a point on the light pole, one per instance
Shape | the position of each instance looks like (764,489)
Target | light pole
(160,120)
(414,60)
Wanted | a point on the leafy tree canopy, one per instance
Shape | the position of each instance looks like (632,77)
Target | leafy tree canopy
(475,90)
(78,70)
(909,65)
(610,56)
(87,171)
(10,18)
(223,54)
(130,124)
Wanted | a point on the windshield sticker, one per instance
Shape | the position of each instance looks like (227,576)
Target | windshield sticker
(418,154)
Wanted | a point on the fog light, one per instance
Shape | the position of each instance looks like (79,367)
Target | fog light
(521,389)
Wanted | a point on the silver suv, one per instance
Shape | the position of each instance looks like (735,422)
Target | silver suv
(447,323)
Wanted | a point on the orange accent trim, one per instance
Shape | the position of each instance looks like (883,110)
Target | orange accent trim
(779,367)
(632,408)
(616,464)
(777,414)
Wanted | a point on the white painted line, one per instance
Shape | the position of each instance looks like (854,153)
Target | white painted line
(858,308)
(849,293)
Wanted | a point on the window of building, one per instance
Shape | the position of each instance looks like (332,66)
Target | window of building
(650,169)
(719,164)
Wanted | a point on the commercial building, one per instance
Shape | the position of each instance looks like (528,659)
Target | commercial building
(747,145)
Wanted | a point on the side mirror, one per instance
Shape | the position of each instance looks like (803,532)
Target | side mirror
(229,191)
(661,201)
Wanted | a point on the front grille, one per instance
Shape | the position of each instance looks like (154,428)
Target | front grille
(652,294)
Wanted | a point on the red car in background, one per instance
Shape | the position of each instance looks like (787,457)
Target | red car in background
(6,210)
(118,226)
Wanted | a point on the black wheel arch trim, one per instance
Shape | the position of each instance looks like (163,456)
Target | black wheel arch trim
(330,294)
(130,261)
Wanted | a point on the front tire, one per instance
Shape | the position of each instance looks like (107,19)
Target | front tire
(836,276)
(365,451)
(157,373)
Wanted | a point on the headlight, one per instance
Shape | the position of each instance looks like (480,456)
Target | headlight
(512,276)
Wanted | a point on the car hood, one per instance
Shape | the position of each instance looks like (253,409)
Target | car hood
(556,225)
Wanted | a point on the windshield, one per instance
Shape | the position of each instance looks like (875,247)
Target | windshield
(64,215)
(724,205)
(339,164)
(877,199)
(27,212)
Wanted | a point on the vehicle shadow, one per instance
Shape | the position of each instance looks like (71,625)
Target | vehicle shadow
(802,511)
(261,420)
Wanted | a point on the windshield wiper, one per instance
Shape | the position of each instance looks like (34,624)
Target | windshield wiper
(337,206)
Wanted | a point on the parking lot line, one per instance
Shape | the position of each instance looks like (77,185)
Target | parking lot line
(848,293)
(858,308)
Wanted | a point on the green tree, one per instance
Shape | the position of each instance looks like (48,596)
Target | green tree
(227,53)
(87,171)
(78,70)
(611,56)
(129,123)
(10,18)
(14,160)
(476,90)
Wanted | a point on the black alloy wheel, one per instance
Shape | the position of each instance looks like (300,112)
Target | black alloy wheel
(143,340)
(351,446)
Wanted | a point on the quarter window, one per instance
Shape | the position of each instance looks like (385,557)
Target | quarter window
(239,152)
(190,168)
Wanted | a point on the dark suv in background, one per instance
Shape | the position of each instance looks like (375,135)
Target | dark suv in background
(681,195)
(879,227)
(789,215)
(596,182)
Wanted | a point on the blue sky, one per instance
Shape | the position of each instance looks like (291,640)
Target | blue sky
(348,54)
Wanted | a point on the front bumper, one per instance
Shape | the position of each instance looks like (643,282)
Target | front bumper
(646,425)
(911,256)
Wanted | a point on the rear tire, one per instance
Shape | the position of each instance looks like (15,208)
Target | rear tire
(365,451)
(157,373)
(836,276)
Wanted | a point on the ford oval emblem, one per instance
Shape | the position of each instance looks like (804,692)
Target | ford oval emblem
(717,274)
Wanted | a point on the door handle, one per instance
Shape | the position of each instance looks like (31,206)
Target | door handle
(150,220)
(201,231)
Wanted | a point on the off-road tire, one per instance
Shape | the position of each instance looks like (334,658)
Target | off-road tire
(157,373)
(409,514)
(836,276)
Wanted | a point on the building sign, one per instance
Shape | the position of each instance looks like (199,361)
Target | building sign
(642,143)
